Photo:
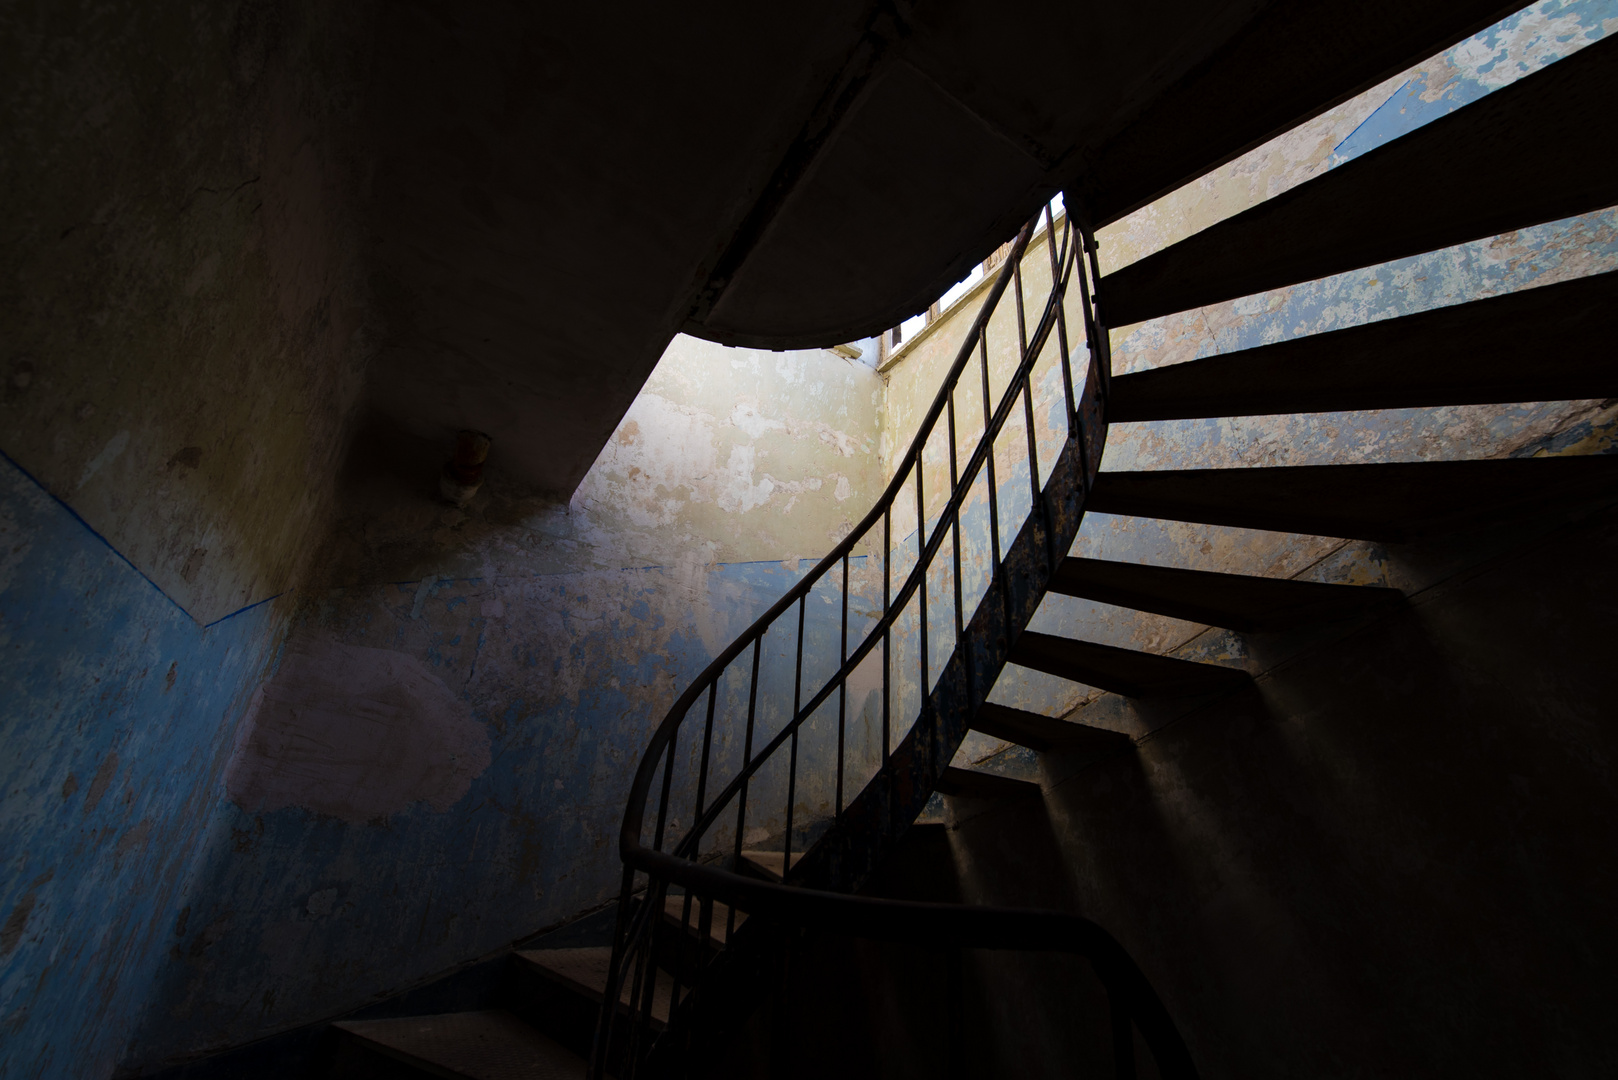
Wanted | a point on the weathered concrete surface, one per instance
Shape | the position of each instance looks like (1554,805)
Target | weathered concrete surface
(1518,45)
(357,734)
(117,714)
(553,187)
(184,304)
(1306,871)
(543,642)
(186,325)
(1524,259)
(1387,858)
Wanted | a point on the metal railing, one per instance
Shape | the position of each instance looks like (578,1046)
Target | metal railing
(704,783)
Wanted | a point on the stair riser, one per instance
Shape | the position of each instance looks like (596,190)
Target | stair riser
(1539,150)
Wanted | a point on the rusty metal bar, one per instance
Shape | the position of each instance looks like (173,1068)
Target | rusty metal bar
(636,945)
(663,802)
(792,767)
(1061,313)
(955,521)
(707,744)
(887,632)
(922,564)
(912,581)
(988,435)
(747,760)
(842,694)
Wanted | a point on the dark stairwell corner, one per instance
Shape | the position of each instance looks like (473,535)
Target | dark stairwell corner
(860,539)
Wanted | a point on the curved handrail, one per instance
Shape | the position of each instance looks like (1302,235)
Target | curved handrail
(964,925)
(972,926)
(665,731)
(634,819)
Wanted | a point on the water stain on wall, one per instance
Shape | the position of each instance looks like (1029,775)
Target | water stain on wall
(357,733)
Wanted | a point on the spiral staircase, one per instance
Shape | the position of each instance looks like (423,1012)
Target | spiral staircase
(728,876)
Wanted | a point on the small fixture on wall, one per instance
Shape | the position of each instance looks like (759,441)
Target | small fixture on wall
(463,472)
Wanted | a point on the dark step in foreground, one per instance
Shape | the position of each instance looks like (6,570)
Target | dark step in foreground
(1122,671)
(1552,343)
(1043,733)
(1390,503)
(1543,148)
(1233,601)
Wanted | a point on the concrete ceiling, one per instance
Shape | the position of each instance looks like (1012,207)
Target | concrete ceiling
(560,189)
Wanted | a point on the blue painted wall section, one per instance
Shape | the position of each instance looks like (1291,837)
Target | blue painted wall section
(300,914)
(117,714)
(439,766)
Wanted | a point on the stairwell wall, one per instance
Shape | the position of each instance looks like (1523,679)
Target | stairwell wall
(441,764)
(185,332)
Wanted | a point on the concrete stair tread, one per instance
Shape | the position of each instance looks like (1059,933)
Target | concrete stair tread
(584,970)
(1234,601)
(1042,733)
(674,914)
(1465,354)
(974,784)
(1392,503)
(1529,154)
(1122,671)
(484,1045)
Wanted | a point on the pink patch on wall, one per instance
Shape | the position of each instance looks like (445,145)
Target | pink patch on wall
(358,734)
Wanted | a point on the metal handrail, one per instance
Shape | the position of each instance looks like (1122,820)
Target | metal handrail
(969,926)
(862,916)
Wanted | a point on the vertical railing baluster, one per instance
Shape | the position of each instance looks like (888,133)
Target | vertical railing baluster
(1022,326)
(1103,341)
(747,759)
(921,548)
(1037,503)
(622,944)
(1025,368)
(994,495)
(955,517)
(685,910)
(887,629)
(707,744)
(663,806)
(1092,335)
(655,891)
(792,762)
(640,939)
(1061,314)
(637,1016)
(654,895)
(682,947)
(842,692)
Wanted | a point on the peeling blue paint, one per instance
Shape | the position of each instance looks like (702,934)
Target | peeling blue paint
(1516,46)
(117,712)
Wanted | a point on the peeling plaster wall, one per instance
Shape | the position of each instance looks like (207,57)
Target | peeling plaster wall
(377,839)
(439,766)
(184,311)
(185,327)
(117,713)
